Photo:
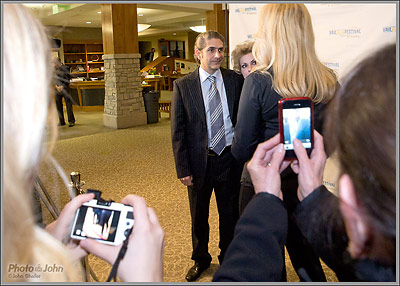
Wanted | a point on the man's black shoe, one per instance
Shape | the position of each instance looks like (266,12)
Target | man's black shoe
(71,124)
(195,272)
(61,124)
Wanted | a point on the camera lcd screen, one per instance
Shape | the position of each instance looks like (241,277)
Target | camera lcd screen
(97,223)
(296,124)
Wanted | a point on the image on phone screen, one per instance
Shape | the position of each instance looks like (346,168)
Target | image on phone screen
(97,223)
(296,124)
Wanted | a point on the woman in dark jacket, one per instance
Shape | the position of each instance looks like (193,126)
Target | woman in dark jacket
(354,234)
(287,67)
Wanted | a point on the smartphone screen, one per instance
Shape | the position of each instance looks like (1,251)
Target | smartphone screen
(296,122)
(97,223)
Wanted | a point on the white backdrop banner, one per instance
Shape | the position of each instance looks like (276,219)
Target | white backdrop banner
(344,33)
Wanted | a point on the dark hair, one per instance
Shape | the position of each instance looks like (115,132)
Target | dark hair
(361,127)
(200,42)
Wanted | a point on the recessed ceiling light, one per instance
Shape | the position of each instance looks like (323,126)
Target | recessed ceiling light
(99,12)
(88,22)
(174,34)
(140,15)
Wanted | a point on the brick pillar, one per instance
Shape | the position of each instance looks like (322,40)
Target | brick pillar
(123,104)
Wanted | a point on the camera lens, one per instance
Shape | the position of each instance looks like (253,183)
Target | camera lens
(126,232)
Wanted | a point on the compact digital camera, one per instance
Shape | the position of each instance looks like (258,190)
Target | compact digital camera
(106,221)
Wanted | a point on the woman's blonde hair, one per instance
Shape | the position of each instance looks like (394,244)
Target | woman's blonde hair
(285,42)
(28,106)
(241,50)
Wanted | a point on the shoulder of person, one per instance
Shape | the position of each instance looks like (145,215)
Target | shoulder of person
(225,71)
(259,78)
(232,74)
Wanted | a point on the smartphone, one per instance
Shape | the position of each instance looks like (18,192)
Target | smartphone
(108,224)
(296,120)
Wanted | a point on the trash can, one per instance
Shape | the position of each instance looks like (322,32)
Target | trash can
(151,105)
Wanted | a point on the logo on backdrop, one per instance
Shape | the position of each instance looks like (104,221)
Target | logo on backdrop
(348,33)
(247,11)
(390,29)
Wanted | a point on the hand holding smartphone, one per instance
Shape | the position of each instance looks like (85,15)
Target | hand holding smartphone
(296,120)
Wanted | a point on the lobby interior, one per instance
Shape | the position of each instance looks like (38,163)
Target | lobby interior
(138,158)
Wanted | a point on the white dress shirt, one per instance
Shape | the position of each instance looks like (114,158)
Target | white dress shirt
(205,87)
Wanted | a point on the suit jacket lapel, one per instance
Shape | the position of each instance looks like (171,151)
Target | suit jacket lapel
(194,87)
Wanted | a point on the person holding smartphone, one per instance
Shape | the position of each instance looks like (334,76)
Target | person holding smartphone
(287,66)
(354,232)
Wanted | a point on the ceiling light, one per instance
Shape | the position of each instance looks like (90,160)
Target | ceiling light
(142,27)
(88,22)
(140,15)
(99,12)
(198,29)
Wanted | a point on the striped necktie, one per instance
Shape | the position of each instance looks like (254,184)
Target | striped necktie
(216,117)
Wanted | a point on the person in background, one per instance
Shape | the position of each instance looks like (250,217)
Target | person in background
(354,233)
(244,63)
(242,58)
(204,107)
(287,66)
(150,55)
(62,77)
(29,116)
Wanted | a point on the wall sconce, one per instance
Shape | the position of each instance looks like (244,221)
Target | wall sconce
(142,27)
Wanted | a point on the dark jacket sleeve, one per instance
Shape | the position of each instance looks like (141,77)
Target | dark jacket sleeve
(178,127)
(255,253)
(249,119)
(320,220)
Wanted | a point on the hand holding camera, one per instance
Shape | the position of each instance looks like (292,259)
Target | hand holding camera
(144,256)
(106,221)
(60,228)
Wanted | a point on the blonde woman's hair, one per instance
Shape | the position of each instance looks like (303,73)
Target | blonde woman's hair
(241,50)
(28,106)
(285,42)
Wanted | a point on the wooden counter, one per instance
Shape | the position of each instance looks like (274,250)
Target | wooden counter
(154,82)
(79,85)
(98,84)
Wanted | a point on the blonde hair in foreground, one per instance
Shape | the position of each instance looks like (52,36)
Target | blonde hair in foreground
(285,43)
(28,105)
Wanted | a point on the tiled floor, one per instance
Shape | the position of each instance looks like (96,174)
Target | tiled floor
(135,160)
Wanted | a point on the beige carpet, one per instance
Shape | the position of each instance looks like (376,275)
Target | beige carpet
(139,161)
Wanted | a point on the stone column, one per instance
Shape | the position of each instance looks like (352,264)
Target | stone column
(123,103)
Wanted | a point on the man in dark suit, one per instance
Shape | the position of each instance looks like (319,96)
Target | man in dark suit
(204,111)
